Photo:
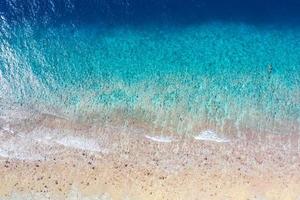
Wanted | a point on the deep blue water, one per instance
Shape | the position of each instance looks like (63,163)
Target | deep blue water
(162,62)
(152,11)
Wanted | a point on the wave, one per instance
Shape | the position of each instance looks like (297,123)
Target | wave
(163,139)
(210,135)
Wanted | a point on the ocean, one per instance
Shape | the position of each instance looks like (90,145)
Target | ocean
(162,63)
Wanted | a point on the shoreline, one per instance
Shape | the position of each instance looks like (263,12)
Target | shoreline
(133,166)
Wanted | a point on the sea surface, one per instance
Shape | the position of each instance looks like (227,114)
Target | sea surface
(171,66)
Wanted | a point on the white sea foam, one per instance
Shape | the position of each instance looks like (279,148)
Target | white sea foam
(37,144)
(15,147)
(164,139)
(57,137)
(80,143)
(18,146)
(3,153)
(19,153)
(209,135)
(7,129)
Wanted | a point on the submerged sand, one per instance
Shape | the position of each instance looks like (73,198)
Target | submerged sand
(80,161)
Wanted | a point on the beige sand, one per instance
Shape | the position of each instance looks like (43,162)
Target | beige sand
(132,166)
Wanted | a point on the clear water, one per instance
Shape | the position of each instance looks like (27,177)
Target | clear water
(171,65)
(158,74)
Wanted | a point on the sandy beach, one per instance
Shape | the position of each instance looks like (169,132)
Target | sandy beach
(126,163)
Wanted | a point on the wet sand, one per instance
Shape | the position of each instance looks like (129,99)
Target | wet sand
(128,165)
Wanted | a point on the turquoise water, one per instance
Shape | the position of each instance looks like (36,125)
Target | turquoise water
(167,76)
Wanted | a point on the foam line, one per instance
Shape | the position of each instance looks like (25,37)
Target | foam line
(80,143)
(163,139)
(210,135)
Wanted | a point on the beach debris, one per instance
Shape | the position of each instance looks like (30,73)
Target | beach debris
(210,135)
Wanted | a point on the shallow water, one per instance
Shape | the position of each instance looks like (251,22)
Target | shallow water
(162,76)
(214,82)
